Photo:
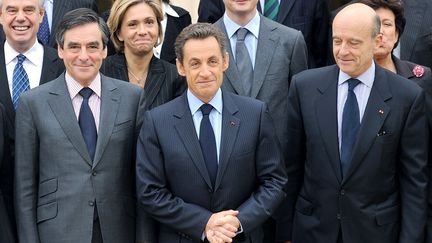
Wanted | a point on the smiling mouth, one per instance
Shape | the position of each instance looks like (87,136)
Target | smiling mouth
(20,28)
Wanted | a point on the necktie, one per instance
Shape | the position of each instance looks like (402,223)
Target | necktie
(20,81)
(271,9)
(208,142)
(87,123)
(44,31)
(244,64)
(350,125)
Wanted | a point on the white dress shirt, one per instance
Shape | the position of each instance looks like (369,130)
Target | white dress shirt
(94,102)
(215,115)
(32,64)
(362,92)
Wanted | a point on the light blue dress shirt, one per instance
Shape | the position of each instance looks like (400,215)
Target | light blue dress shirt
(215,116)
(251,40)
(362,92)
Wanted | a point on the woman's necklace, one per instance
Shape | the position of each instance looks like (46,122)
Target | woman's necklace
(140,81)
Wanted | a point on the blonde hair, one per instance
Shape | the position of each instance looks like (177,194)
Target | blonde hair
(118,11)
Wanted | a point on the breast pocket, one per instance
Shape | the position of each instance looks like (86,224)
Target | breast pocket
(122,125)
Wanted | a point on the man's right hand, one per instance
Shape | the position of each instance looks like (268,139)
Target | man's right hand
(222,227)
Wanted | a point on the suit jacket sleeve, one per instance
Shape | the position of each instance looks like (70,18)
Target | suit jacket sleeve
(271,178)
(153,194)
(26,171)
(294,163)
(299,56)
(413,179)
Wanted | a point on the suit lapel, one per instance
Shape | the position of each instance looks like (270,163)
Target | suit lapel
(231,74)
(110,99)
(186,131)
(154,81)
(230,127)
(61,105)
(5,93)
(375,114)
(284,8)
(265,50)
(326,114)
(49,71)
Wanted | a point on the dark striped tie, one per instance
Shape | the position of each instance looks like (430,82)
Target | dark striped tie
(271,9)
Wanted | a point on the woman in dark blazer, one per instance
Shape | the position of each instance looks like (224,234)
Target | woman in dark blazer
(6,234)
(135,27)
(175,19)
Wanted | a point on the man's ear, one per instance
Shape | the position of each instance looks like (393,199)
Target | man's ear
(225,63)
(180,68)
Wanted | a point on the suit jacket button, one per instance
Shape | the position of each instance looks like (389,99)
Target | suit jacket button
(342,192)
(94,173)
(210,190)
(91,203)
(338,216)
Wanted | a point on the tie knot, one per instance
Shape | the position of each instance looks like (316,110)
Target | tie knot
(86,92)
(241,34)
(352,83)
(206,109)
(21,58)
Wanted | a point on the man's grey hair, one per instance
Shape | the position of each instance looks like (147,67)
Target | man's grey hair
(80,17)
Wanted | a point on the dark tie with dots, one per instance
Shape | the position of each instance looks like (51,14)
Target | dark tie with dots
(350,125)
(87,123)
(208,142)
(243,61)
(44,31)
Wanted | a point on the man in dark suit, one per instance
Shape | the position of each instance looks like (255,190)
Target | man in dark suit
(416,41)
(6,233)
(41,62)
(276,53)
(213,173)
(358,139)
(75,151)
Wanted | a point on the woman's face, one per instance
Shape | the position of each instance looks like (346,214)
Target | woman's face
(139,29)
(388,29)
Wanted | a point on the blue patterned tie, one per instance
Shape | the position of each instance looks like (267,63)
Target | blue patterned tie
(20,81)
(271,9)
(87,123)
(208,142)
(350,125)
(243,61)
(44,31)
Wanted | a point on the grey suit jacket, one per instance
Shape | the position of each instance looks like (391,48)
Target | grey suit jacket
(172,179)
(57,186)
(382,197)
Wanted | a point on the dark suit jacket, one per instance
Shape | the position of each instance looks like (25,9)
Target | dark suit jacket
(209,11)
(382,197)
(52,67)
(312,18)
(6,232)
(281,53)
(172,180)
(173,28)
(163,83)
(57,185)
(416,41)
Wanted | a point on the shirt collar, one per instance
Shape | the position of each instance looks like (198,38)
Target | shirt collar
(367,77)
(252,26)
(195,103)
(168,10)
(32,54)
(74,86)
